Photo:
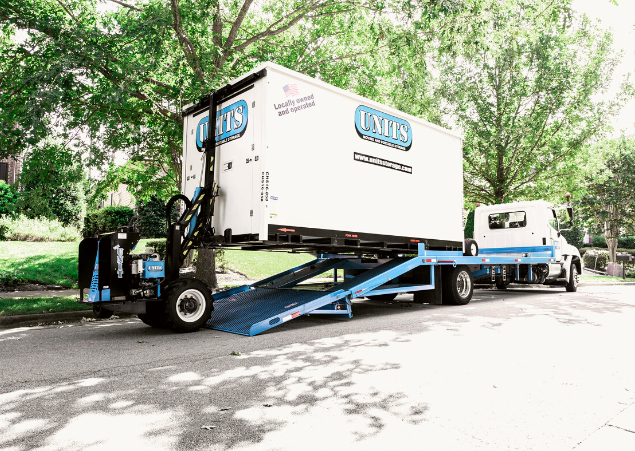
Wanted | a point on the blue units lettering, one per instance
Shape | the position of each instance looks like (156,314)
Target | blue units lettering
(231,123)
(383,128)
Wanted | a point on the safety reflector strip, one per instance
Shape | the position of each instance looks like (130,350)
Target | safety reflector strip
(359,291)
(485,259)
(291,316)
(518,260)
(429,260)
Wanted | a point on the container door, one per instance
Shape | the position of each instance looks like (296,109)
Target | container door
(234,165)
(193,160)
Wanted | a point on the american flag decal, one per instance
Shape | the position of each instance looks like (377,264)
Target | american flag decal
(290,90)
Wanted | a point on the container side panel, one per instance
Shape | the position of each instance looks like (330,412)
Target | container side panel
(338,163)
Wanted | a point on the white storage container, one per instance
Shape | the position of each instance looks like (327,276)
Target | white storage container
(298,160)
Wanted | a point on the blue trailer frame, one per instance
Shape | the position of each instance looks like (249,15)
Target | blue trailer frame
(252,309)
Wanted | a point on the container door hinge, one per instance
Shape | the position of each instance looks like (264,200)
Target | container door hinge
(253,104)
(251,212)
(253,147)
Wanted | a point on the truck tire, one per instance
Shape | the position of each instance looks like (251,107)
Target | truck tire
(471,247)
(188,305)
(154,315)
(383,297)
(101,312)
(457,285)
(572,284)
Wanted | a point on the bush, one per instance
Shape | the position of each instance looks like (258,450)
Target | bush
(575,236)
(22,228)
(52,184)
(151,218)
(599,241)
(106,220)
(8,198)
(10,277)
(626,242)
(596,259)
(468,232)
(158,246)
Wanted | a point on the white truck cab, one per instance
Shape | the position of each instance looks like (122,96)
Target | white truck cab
(519,226)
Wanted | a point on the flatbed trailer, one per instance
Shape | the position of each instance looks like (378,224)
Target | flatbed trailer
(432,276)
(263,174)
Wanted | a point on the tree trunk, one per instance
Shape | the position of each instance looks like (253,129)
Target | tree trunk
(206,267)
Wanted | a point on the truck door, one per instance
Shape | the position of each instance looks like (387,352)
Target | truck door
(554,232)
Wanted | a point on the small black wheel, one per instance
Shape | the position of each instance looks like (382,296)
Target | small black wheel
(457,285)
(572,284)
(101,312)
(188,305)
(154,315)
(383,297)
(471,247)
(502,285)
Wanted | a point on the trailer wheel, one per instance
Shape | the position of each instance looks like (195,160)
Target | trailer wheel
(101,312)
(457,285)
(154,315)
(188,305)
(383,297)
(502,285)
(572,284)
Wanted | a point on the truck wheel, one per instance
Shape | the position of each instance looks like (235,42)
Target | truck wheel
(154,315)
(101,312)
(457,285)
(188,306)
(383,297)
(572,284)
(471,248)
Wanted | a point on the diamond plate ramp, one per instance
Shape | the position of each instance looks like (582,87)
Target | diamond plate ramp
(256,310)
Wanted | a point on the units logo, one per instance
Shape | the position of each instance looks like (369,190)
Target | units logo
(383,128)
(231,123)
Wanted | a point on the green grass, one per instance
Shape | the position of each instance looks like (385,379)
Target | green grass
(56,263)
(259,265)
(23,306)
(44,262)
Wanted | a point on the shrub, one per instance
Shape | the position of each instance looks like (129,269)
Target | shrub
(8,198)
(468,232)
(626,242)
(596,259)
(52,184)
(599,241)
(10,277)
(151,218)
(105,220)
(575,236)
(22,228)
(158,246)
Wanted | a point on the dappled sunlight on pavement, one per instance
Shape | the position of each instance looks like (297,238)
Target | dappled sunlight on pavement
(512,374)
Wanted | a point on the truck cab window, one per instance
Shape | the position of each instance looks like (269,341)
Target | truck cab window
(553,220)
(511,220)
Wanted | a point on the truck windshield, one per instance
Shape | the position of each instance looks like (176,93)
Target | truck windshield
(510,220)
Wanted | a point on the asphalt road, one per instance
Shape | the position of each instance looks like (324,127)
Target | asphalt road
(517,369)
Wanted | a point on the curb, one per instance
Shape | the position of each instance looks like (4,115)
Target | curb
(36,319)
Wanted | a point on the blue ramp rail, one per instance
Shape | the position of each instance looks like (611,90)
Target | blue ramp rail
(249,310)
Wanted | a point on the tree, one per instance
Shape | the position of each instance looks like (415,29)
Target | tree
(52,185)
(609,204)
(121,76)
(524,94)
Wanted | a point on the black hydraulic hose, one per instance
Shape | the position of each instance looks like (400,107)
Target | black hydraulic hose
(170,205)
